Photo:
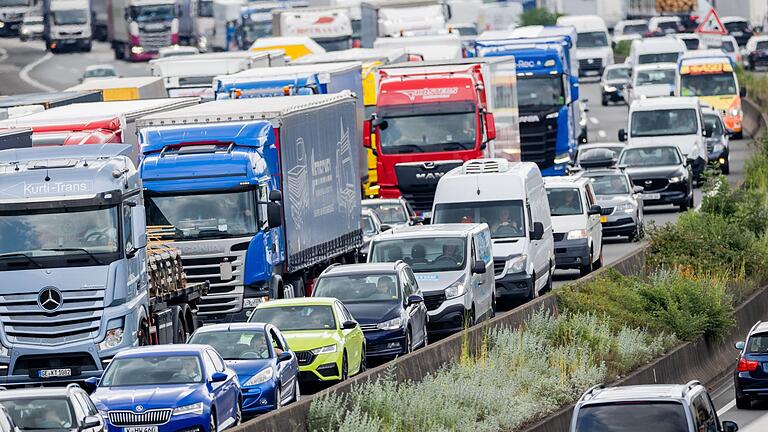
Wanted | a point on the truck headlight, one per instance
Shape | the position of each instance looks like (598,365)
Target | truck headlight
(251,302)
(562,158)
(196,408)
(260,377)
(3,351)
(392,324)
(577,234)
(456,289)
(328,349)
(734,112)
(113,339)
(517,264)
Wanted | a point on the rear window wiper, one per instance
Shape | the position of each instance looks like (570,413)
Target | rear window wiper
(93,257)
(23,255)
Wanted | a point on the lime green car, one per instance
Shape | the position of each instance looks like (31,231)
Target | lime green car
(328,342)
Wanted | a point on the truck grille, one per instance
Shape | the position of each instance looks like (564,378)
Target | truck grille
(420,201)
(78,362)
(433,301)
(417,181)
(155,41)
(585,65)
(129,418)
(498,267)
(538,141)
(78,318)
(224,296)
(304,357)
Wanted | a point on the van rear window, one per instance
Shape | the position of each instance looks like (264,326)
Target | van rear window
(632,417)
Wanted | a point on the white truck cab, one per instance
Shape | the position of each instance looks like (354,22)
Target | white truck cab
(655,50)
(670,120)
(652,80)
(578,233)
(453,264)
(593,43)
(510,198)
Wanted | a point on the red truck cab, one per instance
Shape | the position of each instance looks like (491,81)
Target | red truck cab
(428,120)
(101,131)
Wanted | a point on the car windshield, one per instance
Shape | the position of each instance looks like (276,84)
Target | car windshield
(737,26)
(632,417)
(613,184)
(205,8)
(433,254)
(649,156)
(389,213)
(154,370)
(235,344)
(441,129)
(59,231)
(660,57)
(564,201)
(40,413)
(617,73)
(368,288)
(100,72)
(536,93)
(153,13)
(505,218)
(761,45)
(728,47)
(668,25)
(664,122)
(758,344)
(713,121)
(592,40)
(366,221)
(296,318)
(656,76)
(209,216)
(70,17)
(708,84)
(691,43)
(635,29)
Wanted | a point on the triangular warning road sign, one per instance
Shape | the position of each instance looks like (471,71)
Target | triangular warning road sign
(711,24)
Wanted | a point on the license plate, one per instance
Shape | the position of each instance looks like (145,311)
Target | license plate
(603,219)
(651,196)
(54,373)
(140,429)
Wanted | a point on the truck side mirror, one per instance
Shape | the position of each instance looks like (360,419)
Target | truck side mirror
(594,210)
(275,195)
(367,129)
(538,231)
(575,91)
(478,267)
(139,222)
(490,126)
(274,215)
(622,135)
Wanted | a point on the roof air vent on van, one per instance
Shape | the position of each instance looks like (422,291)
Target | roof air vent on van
(483,166)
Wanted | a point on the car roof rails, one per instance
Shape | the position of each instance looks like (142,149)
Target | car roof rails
(591,391)
(691,384)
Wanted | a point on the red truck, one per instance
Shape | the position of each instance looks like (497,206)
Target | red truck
(429,119)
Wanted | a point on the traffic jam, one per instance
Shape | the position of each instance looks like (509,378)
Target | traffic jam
(179,256)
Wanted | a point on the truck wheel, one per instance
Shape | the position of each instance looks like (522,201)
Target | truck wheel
(180,330)
(297,286)
(143,334)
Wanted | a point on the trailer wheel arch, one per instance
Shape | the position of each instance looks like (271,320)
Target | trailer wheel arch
(275,286)
(142,325)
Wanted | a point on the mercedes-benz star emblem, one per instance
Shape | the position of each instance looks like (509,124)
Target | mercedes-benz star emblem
(139,408)
(49,299)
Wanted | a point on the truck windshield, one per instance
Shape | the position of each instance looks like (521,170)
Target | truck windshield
(153,13)
(437,128)
(564,201)
(664,123)
(90,232)
(592,40)
(360,288)
(153,370)
(70,17)
(505,218)
(535,93)
(661,57)
(722,84)
(424,255)
(217,215)
(632,417)
(205,8)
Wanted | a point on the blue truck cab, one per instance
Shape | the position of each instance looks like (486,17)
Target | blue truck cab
(256,196)
(548,96)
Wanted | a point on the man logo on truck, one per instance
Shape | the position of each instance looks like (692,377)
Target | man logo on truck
(49,299)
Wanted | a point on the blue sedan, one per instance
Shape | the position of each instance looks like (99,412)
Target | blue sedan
(168,388)
(268,370)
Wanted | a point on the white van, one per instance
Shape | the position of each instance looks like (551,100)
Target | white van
(510,198)
(593,43)
(453,264)
(670,120)
(578,232)
(652,80)
(655,50)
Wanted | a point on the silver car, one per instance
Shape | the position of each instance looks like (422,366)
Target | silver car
(621,203)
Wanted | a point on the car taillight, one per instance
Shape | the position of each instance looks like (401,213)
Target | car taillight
(747,365)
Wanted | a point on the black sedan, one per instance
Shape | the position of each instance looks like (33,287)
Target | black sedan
(662,172)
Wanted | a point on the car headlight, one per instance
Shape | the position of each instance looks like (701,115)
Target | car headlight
(456,289)
(626,207)
(517,264)
(734,112)
(577,234)
(328,349)
(610,89)
(196,408)
(392,324)
(113,339)
(676,179)
(260,377)
(25,31)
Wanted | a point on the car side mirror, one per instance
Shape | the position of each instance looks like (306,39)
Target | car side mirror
(538,231)
(284,357)
(707,131)
(274,215)
(414,299)
(689,162)
(367,130)
(730,426)
(417,220)
(622,135)
(90,384)
(384,227)
(739,345)
(478,267)
(638,189)
(275,195)
(743,92)
(349,325)
(91,422)
(594,210)
(218,377)
(490,126)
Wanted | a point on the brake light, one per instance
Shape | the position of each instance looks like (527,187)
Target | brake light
(747,365)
